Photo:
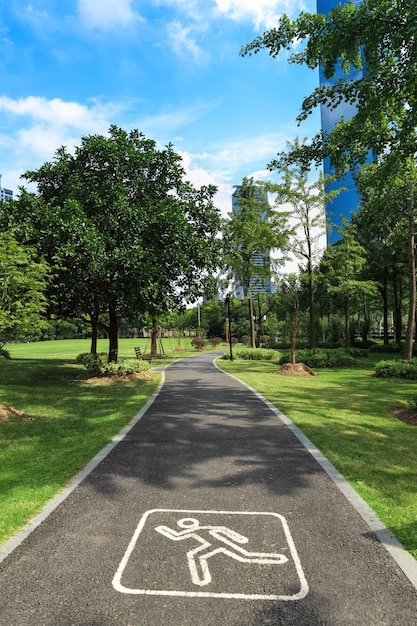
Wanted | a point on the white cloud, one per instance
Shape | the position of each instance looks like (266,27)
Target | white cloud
(263,13)
(164,123)
(107,14)
(183,41)
(37,127)
(57,112)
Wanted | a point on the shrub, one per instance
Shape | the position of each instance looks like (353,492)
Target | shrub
(123,368)
(86,357)
(257,354)
(389,348)
(323,358)
(4,354)
(397,369)
(199,343)
(215,341)
(91,362)
(413,403)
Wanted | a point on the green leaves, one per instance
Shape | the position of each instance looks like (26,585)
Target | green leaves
(23,282)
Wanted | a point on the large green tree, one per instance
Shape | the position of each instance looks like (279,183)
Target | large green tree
(379,35)
(344,263)
(125,229)
(253,230)
(388,198)
(23,282)
(306,200)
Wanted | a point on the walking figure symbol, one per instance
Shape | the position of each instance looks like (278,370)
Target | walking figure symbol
(214,540)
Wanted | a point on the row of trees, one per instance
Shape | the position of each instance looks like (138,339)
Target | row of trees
(120,229)
(116,230)
(381,35)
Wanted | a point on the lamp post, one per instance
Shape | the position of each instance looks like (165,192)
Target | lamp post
(230,326)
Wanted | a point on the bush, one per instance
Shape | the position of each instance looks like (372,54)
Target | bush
(4,354)
(397,369)
(91,362)
(123,368)
(389,348)
(324,358)
(257,354)
(199,343)
(215,341)
(87,357)
(413,403)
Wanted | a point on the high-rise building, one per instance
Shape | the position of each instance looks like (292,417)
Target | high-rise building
(6,195)
(262,258)
(348,200)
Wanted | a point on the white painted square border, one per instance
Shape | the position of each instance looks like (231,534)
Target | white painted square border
(204,594)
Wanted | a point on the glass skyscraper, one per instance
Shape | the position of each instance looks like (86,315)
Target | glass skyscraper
(347,201)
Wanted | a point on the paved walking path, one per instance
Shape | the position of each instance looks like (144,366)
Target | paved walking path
(209,512)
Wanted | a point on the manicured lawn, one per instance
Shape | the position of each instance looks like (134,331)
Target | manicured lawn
(69,349)
(66,420)
(347,414)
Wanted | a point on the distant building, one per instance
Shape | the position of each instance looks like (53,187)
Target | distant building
(260,259)
(6,195)
(347,201)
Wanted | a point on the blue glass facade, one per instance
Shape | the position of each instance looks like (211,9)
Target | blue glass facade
(6,195)
(347,201)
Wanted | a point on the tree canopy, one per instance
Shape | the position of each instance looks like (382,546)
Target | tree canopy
(379,35)
(124,228)
(23,282)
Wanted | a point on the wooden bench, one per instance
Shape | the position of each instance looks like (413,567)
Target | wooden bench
(144,357)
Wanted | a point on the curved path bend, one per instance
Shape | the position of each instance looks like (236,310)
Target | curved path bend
(209,511)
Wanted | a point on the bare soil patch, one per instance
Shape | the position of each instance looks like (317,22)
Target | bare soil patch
(296,369)
(405,414)
(110,380)
(9,414)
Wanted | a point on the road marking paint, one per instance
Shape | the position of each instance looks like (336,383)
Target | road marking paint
(153,566)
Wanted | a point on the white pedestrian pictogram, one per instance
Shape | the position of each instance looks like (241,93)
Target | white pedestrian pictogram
(214,540)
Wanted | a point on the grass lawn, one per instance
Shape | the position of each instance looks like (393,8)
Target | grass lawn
(347,414)
(66,419)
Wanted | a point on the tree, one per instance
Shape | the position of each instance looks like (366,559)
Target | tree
(252,232)
(126,231)
(391,188)
(344,262)
(288,290)
(307,201)
(23,282)
(380,36)
(377,34)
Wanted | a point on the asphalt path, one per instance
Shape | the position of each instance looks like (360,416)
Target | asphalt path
(210,511)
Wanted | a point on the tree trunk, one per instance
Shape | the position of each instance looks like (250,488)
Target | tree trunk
(397,308)
(94,333)
(294,335)
(312,338)
(347,322)
(383,290)
(154,335)
(251,320)
(409,336)
(113,333)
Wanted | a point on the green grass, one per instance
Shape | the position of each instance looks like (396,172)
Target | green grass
(66,421)
(70,348)
(347,414)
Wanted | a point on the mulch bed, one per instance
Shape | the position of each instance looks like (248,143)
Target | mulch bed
(405,415)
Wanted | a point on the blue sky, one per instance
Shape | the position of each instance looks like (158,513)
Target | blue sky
(170,68)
